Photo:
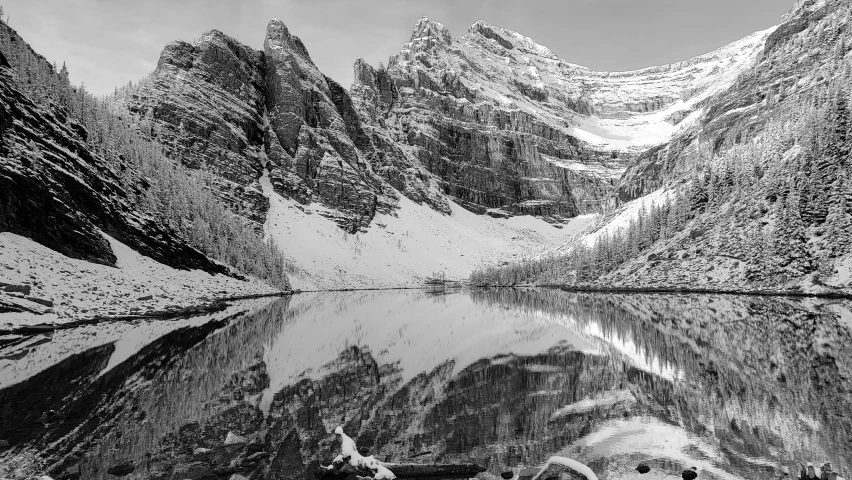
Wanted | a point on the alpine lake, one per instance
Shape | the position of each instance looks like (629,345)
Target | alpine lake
(738,387)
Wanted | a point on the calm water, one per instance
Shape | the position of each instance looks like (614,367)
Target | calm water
(736,386)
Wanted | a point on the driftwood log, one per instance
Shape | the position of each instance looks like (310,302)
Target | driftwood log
(408,471)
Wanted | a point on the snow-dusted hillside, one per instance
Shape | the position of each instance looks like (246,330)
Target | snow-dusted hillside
(753,193)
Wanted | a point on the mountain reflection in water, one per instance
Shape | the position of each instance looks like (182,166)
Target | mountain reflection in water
(736,386)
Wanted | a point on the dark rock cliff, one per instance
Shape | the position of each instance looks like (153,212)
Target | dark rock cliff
(54,190)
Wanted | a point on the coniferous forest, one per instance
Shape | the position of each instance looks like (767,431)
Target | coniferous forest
(770,197)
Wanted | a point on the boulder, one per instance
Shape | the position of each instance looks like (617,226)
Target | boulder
(121,470)
(201,452)
(25,289)
(193,471)
(234,439)
(528,473)
(643,469)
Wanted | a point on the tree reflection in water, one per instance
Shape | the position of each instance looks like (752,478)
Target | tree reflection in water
(736,386)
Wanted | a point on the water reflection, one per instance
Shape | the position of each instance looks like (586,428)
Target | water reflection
(735,386)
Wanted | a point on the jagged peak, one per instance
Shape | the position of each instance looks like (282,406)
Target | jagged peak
(363,72)
(510,39)
(277,33)
(425,27)
(214,36)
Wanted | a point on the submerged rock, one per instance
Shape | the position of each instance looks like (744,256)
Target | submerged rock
(643,469)
(527,473)
(200,452)
(121,470)
(690,474)
(192,471)
(507,475)
(234,439)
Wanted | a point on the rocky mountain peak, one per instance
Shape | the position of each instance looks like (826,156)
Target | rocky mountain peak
(509,40)
(424,27)
(278,35)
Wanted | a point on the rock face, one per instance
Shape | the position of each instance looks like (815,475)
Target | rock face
(311,155)
(56,191)
(504,123)
(204,103)
(224,107)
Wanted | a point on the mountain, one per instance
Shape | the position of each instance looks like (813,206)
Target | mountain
(505,123)
(415,154)
(93,218)
(234,111)
(753,195)
(487,149)
(490,119)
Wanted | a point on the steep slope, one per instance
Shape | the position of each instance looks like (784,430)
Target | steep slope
(217,123)
(805,52)
(78,239)
(771,156)
(754,195)
(221,106)
(54,190)
(503,122)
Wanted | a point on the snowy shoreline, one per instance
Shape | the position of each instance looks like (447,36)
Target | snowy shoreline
(214,306)
(39,286)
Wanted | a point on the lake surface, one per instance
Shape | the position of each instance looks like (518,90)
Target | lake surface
(736,386)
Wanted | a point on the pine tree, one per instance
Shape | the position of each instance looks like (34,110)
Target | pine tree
(839,220)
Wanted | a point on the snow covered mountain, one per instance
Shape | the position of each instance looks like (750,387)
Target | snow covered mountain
(504,122)
(484,148)
(753,195)
(453,128)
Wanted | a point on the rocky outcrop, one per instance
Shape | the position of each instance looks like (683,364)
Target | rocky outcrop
(57,192)
(310,153)
(205,104)
(221,106)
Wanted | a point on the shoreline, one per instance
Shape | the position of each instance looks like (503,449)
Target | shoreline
(219,304)
(215,305)
(681,291)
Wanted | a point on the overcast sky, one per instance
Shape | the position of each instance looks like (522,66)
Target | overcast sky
(108,42)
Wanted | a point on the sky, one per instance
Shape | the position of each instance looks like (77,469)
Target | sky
(110,42)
